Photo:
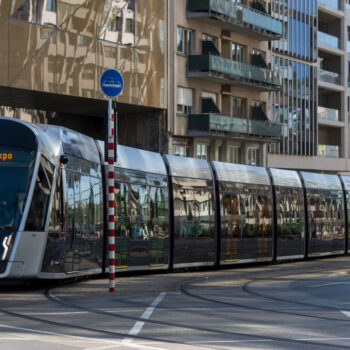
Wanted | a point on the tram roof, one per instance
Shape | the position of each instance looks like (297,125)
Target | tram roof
(346,180)
(286,178)
(189,167)
(140,160)
(240,173)
(321,181)
(137,159)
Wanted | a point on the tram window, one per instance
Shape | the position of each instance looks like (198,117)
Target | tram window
(289,218)
(193,213)
(38,210)
(56,219)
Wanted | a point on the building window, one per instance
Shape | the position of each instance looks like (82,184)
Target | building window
(129,25)
(237,107)
(202,151)
(184,40)
(253,156)
(115,24)
(259,53)
(207,37)
(237,52)
(206,94)
(184,100)
(51,5)
(233,155)
(181,151)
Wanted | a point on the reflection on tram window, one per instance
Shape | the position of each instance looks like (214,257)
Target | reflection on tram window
(289,220)
(246,216)
(84,205)
(326,217)
(56,219)
(193,211)
(141,211)
(37,213)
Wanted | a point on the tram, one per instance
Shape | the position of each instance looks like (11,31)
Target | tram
(171,212)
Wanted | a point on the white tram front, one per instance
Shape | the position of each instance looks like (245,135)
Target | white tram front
(51,202)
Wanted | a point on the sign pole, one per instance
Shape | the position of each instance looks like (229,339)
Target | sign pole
(111,84)
(111,224)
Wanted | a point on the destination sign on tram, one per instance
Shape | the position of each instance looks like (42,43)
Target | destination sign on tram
(5,157)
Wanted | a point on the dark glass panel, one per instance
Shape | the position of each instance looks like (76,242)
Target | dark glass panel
(37,214)
(16,168)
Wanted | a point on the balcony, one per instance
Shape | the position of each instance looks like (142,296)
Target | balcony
(222,70)
(206,124)
(334,4)
(236,17)
(325,39)
(329,114)
(329,77)
(328,151)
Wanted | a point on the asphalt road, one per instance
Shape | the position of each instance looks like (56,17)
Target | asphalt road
(302,305)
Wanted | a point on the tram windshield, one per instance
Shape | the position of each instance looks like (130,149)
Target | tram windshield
(16,167)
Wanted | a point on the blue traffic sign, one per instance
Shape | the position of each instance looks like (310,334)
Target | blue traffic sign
(111,82)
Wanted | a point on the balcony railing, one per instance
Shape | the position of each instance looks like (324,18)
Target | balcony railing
(236,72)
(204,124)
(237,14)
(328,113)
(329,77)
(328,40)
(331,3)
(328,151)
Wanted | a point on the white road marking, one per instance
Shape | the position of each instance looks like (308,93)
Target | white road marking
(346,313)
(112,344)
(31,330)
(146,315)
(327,284)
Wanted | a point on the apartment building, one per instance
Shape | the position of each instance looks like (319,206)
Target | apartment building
(220,80)
(324,125)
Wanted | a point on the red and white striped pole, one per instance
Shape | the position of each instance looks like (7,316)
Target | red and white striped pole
(111,225)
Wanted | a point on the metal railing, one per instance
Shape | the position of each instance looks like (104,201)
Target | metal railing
(329,77)
(237,13)
(328,151)
(233,69)
(204,123)
(328,113)
(328,40)
(331,3)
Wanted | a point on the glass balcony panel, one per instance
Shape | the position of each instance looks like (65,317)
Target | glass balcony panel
(233,69)
(237,13)
(328,151)
(329,77)
(255,18)
(328,40)
(330,3)
(328,113)
(204,123)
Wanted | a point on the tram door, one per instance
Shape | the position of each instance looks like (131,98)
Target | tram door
(73,229)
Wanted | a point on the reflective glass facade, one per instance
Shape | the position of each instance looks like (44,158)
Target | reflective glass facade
(63,46)
(295,57)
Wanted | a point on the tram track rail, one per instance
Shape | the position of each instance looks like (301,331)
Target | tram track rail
(201,329)
(183,287)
